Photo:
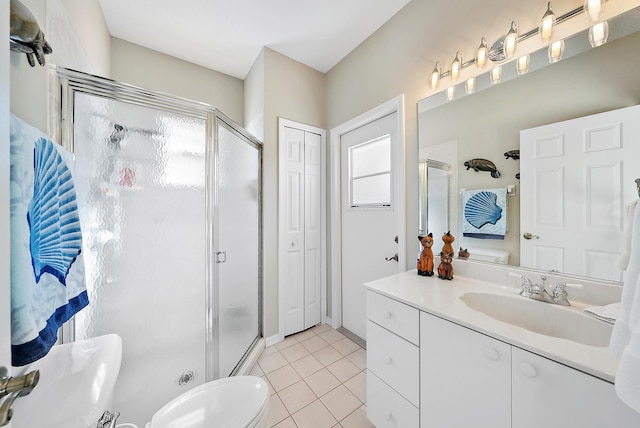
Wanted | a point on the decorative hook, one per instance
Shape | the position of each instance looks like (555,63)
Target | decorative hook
(26,35)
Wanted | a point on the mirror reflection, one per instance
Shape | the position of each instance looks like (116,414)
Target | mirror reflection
(487,125)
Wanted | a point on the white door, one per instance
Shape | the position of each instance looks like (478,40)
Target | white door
(370,213)
(582,174)
(301,226)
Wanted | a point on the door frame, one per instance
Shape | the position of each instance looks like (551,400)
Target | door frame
(282,238)
(394,105)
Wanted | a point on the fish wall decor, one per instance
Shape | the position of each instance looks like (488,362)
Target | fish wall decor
(483,165)
(26,36)
(513,154)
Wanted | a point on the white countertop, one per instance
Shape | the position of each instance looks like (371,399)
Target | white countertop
(442,298)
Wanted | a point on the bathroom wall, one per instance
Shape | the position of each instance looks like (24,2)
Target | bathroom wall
(137,65)
(401,54)
(294,91)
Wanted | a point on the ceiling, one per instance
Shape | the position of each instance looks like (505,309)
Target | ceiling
(228,35)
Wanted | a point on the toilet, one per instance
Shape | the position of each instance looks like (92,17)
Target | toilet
(232,402)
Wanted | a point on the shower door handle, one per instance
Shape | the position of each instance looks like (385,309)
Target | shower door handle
(221,257)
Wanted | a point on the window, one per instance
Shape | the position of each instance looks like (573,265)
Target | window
(370,173)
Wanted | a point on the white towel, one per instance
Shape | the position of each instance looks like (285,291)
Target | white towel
(47,269)
(484,213)
(625,339)
(608,313)
(626,245)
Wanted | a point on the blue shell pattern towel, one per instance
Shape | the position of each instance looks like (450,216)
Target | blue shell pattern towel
(484,213)
(47,268)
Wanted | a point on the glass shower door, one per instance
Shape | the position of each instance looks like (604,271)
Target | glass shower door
(238,251)
(141,175)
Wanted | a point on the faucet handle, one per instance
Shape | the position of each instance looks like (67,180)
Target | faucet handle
(560,294)
(527,287)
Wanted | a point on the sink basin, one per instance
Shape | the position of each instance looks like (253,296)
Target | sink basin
(76,385)
(542,318)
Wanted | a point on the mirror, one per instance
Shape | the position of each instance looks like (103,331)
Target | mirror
(487,124)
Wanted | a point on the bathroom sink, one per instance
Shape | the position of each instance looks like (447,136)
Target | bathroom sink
(76,385)
(542,318)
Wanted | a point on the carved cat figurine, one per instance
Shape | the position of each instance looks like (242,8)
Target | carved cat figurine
(425,262)
(445,268)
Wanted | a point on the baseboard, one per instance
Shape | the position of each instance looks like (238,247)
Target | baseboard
(272,340)
(247,366)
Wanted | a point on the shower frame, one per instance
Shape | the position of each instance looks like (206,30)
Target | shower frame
(70,82)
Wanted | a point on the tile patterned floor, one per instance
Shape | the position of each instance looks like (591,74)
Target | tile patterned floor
(317,379)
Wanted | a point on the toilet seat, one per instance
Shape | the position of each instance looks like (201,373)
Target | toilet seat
(233,402)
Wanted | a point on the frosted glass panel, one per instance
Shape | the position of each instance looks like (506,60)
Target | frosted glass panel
(372,157)
(238,232)
(140,177)
(371,190)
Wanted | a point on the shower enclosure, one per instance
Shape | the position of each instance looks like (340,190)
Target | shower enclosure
(169,192)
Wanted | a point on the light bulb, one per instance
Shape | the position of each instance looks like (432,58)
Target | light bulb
(598,34)
(495,75)
(455,67)
(522,64)
(470,85)
(556,50)
(481,54)
(547,25)
(510,41)
(451,93)
(435,76)
(593,9)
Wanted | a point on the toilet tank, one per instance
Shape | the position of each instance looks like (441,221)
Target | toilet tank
(488,255)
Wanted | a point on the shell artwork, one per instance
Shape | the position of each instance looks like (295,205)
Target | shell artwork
(481,209)
(54,225)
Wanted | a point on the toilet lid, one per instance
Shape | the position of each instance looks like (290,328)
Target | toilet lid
(224,403)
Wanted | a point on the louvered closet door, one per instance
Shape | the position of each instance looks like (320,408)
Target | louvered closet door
(302,274)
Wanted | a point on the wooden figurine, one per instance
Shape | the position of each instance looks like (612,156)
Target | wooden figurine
(445,268)
(463,253)
(448,239)
(425,262)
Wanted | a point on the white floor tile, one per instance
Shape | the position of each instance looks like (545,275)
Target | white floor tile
(297,396)
(283,377)
(322,382)
(343,369)
(340,402)
(315,415)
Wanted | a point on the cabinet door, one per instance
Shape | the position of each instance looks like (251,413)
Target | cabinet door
(465,377)
(548,394)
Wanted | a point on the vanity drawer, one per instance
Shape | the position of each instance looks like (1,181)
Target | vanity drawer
(388,409)
(401,319)
(395,361)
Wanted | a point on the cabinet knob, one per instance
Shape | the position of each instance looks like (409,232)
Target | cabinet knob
(491,353)
(388,359)
(387,315)
(387,415)
(528,370)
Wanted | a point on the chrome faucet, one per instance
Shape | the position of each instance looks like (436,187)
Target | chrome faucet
(108,419)
(539,292)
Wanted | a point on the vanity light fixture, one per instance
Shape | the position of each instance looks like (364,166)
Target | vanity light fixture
(598,34)
(456,66)
(495,75)
(451,93)
(547,25)
(556,51)
(522,64)
(504,49)
(481,54)
(593,9)
(470,85)
(435,76)
(510,41)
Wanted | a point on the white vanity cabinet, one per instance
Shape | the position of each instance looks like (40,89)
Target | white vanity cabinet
(393,384)
(424,371)
(465,377)
(549,394)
